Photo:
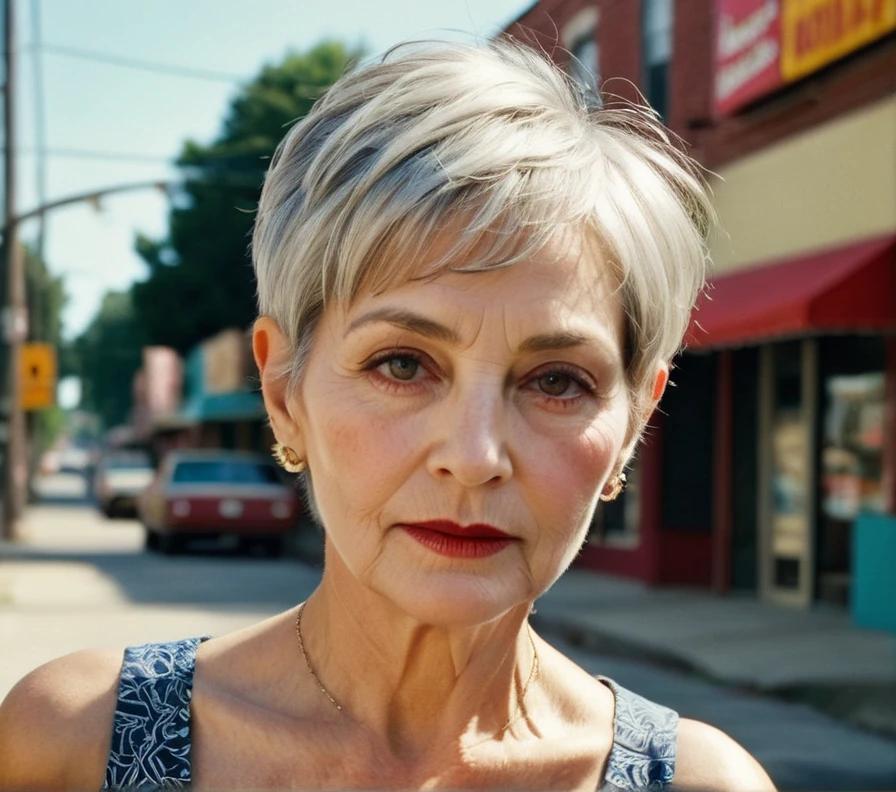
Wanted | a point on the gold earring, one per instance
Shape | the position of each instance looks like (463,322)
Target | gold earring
(287,458)
(618,486)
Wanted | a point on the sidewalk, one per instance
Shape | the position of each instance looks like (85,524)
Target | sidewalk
(815,656)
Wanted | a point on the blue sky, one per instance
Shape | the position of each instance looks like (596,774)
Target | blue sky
(100,107)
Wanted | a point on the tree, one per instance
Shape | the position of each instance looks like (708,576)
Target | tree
(46,297)
(200,277)
(109,352)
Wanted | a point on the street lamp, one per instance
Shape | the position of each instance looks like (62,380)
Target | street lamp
(14,331)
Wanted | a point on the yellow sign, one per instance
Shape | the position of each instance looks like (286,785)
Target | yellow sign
(816,32)
(38,369)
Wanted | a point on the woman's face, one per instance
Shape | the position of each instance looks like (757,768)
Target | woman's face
(491,397)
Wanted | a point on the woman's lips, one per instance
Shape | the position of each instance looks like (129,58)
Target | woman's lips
(459,541)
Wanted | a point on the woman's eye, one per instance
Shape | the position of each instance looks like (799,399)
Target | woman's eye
(402,367)
(555,383)
(562,385)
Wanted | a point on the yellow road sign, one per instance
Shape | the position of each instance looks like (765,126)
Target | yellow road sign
(38,367)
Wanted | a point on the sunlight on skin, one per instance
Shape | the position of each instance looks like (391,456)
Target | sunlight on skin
(450,414)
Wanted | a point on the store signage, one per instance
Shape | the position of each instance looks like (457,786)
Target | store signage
(764,44)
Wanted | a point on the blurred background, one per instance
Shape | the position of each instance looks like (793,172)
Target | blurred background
(745,577)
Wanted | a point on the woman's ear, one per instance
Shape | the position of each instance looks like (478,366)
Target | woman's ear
(660,381)
(271,350)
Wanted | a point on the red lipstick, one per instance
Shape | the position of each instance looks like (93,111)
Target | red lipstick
(459,541)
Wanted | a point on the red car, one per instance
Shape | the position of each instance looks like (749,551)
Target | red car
(212,492)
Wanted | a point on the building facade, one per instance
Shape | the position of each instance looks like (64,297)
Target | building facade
(772,466)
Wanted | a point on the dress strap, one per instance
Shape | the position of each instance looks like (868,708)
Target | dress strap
(151,729)
(644,740)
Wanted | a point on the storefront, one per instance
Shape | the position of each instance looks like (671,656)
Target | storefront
(823,327)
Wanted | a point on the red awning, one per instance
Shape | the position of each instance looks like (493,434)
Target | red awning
(852,287)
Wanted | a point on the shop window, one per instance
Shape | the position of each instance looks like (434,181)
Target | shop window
(745,478)
(790,474)
(579,38)
(851,454)
(656,43)
(689,407)
(787,572)
(583,63)
(617,523)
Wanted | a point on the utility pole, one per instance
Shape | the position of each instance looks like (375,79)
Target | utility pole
(13,311)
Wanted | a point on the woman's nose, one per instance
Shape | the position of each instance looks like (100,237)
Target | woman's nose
(470,439)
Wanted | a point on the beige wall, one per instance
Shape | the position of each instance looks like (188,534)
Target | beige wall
(831,185)
(224,359)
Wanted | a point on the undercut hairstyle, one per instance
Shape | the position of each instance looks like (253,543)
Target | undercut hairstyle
(496,145)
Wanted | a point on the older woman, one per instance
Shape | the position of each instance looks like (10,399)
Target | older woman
(471,284)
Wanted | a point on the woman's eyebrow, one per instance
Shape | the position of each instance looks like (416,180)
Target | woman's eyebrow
(406,320)
(415,323)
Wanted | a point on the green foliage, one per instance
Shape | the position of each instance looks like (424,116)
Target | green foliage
(109,352)
(46,297)
(200,277)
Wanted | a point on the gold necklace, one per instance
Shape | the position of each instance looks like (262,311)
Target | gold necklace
(533,671)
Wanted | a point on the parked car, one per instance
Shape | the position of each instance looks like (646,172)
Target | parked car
(119,477)
(216,493)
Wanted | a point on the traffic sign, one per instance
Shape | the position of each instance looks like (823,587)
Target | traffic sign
(38,370)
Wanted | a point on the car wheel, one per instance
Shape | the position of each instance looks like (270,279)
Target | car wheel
(170,544)
(150,539)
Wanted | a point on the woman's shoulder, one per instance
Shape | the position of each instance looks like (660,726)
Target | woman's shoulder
(56,722)
(708,760)
(658,749)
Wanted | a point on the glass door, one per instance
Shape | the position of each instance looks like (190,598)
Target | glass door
(788,373)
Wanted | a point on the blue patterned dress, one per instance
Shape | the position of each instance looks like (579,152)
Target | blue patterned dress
(151,729)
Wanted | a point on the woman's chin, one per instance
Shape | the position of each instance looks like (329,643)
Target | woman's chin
(450,599)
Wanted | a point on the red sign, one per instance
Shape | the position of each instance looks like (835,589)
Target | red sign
(748,51)
(762,44)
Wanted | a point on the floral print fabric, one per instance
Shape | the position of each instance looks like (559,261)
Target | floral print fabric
(644,738)
(151,729)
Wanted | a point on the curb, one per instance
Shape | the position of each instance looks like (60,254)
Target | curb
(871,708)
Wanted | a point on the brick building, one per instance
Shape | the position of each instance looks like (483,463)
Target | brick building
(773,466)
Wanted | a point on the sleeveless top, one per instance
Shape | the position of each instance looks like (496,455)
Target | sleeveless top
(151,729)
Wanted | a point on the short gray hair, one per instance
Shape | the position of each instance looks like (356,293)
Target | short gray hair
(495,136)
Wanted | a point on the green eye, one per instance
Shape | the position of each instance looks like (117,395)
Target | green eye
(403,367)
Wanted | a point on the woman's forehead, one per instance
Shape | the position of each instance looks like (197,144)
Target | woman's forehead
(564,288)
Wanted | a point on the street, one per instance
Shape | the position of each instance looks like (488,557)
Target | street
(78,580)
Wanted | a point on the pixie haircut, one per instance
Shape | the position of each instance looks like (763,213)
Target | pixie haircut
(496,146)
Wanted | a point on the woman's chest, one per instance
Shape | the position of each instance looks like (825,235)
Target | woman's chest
(250,752)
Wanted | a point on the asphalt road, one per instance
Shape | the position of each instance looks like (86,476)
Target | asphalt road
(78,579)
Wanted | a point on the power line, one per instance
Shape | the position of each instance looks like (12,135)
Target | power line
(143,65)
(97,154)
(303,90)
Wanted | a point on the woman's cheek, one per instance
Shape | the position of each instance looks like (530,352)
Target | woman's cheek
(366,448)
(576,458)
(570,473)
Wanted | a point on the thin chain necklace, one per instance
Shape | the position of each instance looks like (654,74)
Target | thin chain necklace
(533,671)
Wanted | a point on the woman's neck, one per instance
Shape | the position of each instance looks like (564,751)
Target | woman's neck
(418,690)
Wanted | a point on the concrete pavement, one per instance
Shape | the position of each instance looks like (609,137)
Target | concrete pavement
(815,655)
(799,747)
(77,580)
(736,638)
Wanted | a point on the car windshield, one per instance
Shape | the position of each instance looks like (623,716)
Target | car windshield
(224,471)
(128,462)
